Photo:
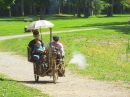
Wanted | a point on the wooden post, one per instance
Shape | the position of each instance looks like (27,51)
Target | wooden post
(50,57)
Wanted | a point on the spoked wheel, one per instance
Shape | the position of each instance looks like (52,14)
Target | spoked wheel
(36,78)
(55,77)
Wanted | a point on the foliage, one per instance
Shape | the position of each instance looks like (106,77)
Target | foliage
(76,7)
(125,3)
(99,6)
(6,3)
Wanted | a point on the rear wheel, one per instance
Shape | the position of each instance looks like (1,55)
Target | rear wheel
(36,78)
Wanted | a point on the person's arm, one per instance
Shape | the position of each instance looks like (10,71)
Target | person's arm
(30,45)
(62,50)
(41,49)
(38,50)
(30,49)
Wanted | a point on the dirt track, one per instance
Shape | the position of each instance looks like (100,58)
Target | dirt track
(30,34)
(19,69)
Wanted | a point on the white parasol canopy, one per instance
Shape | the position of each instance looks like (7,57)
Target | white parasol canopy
(40,24)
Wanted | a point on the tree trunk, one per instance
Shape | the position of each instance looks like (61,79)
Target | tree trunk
(110,9)
(59,4)
(74,12)
(30,8)
(86,9)
(68,6)
(85,12)
(10,12)
(123,9)
(79,12)
(22,7)
(34,10)
(17,10)
(41,12)
(44,10)
(62,3)
(91,7)
(79,9)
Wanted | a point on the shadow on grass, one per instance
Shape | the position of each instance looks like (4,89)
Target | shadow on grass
(16,19)
(57,17)
(99,24)
(105,16)
(123,27)
(12,19)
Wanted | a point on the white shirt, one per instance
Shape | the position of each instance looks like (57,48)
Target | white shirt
(59,46)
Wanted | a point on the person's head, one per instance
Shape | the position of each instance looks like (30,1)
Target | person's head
(56,38)
(38,43)
(36,34)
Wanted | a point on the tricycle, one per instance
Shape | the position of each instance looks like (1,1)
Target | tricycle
(51,62)
(51,65)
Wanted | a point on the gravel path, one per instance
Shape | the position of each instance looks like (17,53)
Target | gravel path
(30,34)
(19,69)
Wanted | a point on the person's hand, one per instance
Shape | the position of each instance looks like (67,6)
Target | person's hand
(44,51)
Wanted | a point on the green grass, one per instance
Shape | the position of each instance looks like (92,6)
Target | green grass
(12,88)
(15,25)
(103,50)
(107,50)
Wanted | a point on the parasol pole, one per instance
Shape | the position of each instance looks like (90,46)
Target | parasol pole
(41,32)
(50,46)
(50,34)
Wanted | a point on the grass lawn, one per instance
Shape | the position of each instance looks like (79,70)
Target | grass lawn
(104,49)
(11,88)
(15,25)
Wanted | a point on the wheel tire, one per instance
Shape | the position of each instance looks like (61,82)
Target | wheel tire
(55,77)
(36,78)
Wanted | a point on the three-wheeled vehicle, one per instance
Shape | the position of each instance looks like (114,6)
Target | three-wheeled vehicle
(51,63)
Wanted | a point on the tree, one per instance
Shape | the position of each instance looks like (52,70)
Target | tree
(110,8)
(89,6)
(79,6)
(74,4)
(30,4)
(86,8)
(98,6)
(22,7)
(124,4)
(109,5)
(43,4)
(6,3)
(10,12)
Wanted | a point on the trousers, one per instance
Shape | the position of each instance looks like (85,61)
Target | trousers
(36,58)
